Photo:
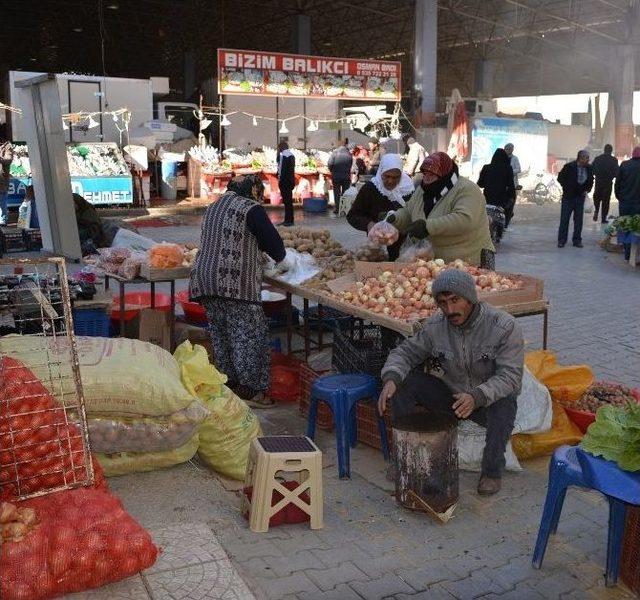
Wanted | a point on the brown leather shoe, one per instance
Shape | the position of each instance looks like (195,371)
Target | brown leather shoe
(487,486)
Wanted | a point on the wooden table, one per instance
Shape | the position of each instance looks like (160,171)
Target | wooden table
(518,310)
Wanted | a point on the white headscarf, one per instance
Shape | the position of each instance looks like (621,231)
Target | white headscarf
(405,185)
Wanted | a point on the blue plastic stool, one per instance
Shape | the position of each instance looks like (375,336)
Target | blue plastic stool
(341,393)
(571,465)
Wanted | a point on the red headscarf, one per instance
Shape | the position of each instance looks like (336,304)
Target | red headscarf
(636,152)
(439,164)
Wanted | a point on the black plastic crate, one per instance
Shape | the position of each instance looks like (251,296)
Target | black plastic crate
(359,348)
(331,318)
(32,239)
(11,240)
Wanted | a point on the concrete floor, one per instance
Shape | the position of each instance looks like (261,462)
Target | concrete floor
(370,548)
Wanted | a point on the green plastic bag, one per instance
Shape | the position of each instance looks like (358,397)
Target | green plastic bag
(123,463)
(226,435)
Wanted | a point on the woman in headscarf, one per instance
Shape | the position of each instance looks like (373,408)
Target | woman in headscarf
(226,279)
(388,190)
(452,213)
(497,181)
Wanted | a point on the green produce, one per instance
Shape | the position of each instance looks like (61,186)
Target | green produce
(615,435)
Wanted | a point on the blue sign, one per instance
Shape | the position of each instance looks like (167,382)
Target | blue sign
(97,190)
(104,190)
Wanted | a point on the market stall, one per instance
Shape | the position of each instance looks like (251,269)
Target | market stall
(395,296)
(98,172)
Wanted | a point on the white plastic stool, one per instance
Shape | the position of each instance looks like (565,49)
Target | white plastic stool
(289,454)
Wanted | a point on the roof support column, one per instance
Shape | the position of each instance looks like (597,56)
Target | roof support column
(623,87)
(425,60)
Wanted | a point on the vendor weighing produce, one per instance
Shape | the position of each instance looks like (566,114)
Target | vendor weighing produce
(388,191)
(227,280)
(452,212)
(467,360)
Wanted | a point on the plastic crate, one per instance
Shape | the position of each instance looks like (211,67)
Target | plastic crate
(279,321)
(315,205)
(360,348)
(11,240)
(32,239)
(324,419)
(91,322)
(630,558)
(331,318)
(367,419)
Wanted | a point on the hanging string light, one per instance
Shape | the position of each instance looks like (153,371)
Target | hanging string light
(254,122)
(92,123)
(225,121)
(284,129)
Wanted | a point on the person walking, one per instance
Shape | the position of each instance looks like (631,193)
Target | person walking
(627,189)
(496,180)
(415,157)
(286,180)
(576,179)
(605,169)
(340,165)
(514,161)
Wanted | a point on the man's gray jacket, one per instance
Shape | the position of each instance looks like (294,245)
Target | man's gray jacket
(484,357)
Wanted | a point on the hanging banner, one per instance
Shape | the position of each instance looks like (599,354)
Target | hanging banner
(249,73)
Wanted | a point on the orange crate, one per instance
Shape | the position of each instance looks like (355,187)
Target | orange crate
(324,420)
(630,558)
(367,418)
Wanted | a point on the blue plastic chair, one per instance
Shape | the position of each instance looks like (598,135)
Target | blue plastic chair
(341,393)
(570,465)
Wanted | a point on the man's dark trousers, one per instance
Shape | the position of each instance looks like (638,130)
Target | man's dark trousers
(575,206)
(430,392)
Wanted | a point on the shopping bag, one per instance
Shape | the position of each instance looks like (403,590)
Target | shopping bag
(565,383)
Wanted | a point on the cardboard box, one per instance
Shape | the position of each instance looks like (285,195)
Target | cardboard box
(196,335)
(155,327)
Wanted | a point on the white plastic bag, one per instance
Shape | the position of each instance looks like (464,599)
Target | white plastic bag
(534,415)
(300,266)
(24,215)
(471,446)
(383,233)
(347,199)
(414,249)
(134,241)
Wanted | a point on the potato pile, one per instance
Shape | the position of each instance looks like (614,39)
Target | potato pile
(406,294)
(329,254)
(16,522)
(316,242)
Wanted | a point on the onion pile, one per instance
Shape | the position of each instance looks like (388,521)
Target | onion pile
(406,294)
(600,394)
(16,523)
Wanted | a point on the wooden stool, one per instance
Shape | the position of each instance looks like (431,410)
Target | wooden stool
(289,454)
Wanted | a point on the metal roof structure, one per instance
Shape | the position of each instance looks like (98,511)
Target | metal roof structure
(533,46)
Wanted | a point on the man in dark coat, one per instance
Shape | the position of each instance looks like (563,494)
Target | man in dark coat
(605,169)
(286,180)
(576,179)
(627,190)
(340,164)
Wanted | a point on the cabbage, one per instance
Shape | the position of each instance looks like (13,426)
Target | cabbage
(615,435)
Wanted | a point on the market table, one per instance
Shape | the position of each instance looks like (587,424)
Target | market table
(518,310)
(151,276)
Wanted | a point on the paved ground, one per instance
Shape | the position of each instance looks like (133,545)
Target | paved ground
(370,548)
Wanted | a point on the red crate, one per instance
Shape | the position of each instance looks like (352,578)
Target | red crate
(630,559)
(367,418)
(324,420)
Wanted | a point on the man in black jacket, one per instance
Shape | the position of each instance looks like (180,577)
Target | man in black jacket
(605,169)
(628,190)
(340,164)
(286,180)
(576,179)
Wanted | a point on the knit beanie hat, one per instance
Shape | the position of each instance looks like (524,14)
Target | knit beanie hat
(455,281)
